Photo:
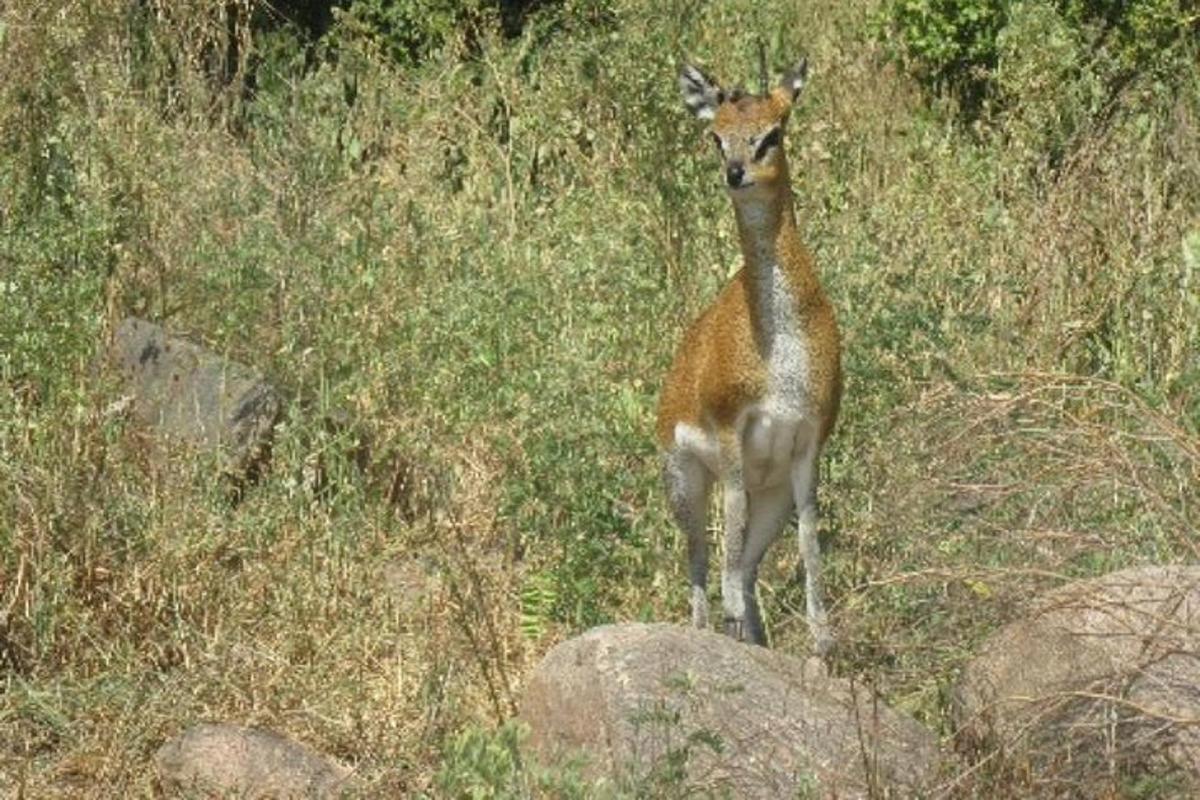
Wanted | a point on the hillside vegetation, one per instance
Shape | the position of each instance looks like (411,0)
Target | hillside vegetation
(466,257)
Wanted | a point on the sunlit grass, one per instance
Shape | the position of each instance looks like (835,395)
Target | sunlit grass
(477,273)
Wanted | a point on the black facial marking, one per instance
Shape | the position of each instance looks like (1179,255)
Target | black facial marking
(772,139)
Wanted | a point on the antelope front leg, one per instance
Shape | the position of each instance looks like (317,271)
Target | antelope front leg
(733,597)
(804,488)
(687,484)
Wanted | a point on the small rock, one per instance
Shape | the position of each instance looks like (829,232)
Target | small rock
(1101,679)
(232,761)
(184,391)
(647,703)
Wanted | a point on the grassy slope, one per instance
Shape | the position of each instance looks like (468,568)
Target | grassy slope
(485,266)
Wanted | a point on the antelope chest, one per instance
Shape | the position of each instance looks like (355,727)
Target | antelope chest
(772,430)
(784,348)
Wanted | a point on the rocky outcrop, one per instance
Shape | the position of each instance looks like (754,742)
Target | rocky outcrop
(217,760)
(1102,678)
(183,391)
(653,703)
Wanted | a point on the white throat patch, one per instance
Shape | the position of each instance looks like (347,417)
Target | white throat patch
(787,351)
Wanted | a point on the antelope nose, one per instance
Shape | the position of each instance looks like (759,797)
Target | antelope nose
(734,174)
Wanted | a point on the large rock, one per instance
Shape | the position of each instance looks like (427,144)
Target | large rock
(1099,683)
(186,392)
(218,760)
(654,703)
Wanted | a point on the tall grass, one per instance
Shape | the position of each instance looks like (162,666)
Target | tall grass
(474,270)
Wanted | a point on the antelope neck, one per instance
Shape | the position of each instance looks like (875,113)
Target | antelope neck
(779,269)
(762,225)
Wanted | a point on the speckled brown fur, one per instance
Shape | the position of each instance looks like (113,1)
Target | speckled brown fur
(754,390)
(718,368)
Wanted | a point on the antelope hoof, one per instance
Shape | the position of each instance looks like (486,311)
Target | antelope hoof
(735,628)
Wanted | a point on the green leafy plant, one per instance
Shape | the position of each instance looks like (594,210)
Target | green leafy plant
(407,32)
(956,45)
(489,765)
(538,598)
(949,44)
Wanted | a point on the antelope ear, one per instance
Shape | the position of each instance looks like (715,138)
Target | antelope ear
(794,80)
(701,94)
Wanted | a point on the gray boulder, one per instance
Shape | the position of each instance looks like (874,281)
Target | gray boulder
(184,391)
(657,706)
(1099,684)
(218,760)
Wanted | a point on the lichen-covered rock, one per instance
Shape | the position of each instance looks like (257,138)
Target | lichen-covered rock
(1099,682)
(182,390)
(219,760)
(650,703)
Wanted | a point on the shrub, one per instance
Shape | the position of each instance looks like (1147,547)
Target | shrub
(948,44)
(1045,80)
(481,763)
(959,45)
(408,33)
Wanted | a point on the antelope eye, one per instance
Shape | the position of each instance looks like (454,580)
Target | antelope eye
(772,139)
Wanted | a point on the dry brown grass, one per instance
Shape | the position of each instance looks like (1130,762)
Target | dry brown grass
(986,495)
(375,648)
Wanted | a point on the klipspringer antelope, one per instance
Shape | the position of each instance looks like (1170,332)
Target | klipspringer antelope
(754,389)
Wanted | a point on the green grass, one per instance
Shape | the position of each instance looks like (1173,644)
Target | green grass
(483,265)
